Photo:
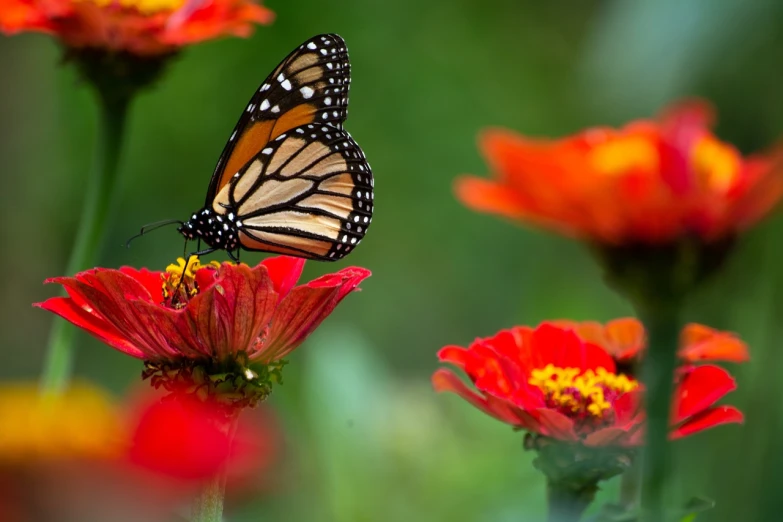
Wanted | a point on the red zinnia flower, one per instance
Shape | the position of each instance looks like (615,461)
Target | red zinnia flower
(650,182)
(58,451)
(553,382)
(140,27)
(214,316)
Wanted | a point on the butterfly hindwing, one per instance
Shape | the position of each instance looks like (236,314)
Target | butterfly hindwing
(309,86)
(308,193)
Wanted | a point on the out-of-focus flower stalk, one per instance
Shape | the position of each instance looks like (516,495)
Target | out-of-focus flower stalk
(566,504)
(112,109)
(208,505)
(663,327)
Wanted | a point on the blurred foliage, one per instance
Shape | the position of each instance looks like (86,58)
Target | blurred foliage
(367,438)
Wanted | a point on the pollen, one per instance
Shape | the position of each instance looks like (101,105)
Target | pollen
(621,155)
(715,164)
(179,279)
(580,393)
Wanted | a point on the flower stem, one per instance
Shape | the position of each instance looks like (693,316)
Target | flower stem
(662,324)
(92,226)
(208,505)
(567,502)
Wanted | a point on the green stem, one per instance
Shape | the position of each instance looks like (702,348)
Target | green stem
(663,328)
(208,505)
(92,226)
(567,503)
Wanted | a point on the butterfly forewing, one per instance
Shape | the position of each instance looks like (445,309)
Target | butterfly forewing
(309,86)
(308,192)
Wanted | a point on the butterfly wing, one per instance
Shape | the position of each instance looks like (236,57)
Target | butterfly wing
(310,85)
(308,193)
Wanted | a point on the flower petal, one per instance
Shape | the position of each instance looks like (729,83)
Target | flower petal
(699,389)
(554,424)
(446,381)
(708,419)
(701,343)
(563,348)
(284,271)
(626,338)
(231,314)
(113,295)
(488,196)
(95,325)
(304,308)
(607,437)
(149,279)
(182,438)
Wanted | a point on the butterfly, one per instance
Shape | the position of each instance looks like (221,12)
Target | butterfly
(290,179)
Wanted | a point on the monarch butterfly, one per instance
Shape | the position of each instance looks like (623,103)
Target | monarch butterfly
(290,180)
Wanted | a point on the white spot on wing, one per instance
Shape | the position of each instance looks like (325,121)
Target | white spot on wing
(267,150)
(312,46)
(264,105)
(307,92)
(286,85)
(276,109)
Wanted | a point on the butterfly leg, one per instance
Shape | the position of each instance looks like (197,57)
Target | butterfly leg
(202,252)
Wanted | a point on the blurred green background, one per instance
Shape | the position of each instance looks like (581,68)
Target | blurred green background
(367,439)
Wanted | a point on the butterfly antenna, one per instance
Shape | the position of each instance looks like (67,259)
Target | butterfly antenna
(154,226)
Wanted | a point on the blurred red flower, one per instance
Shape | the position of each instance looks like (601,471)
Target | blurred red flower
(625,340)
(140,27)
(79,454)
(554,382)
(650,182)
(203,312)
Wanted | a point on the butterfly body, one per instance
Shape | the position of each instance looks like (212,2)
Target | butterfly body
(290,179)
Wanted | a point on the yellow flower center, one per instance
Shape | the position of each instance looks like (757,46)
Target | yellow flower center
(717,165)
(621,155)
(80,423)
(179,279)
(147,7)
(580,394)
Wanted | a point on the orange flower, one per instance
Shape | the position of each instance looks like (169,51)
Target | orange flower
(140,27)
(651,182)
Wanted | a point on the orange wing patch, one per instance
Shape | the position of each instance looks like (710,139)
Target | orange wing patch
(256,136)
(252,140)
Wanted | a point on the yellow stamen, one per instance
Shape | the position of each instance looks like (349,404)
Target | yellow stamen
(716,164)
(621,155)
(181,274)
(578,392)
(146,7)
